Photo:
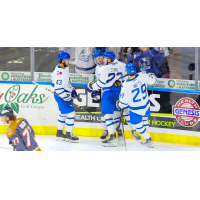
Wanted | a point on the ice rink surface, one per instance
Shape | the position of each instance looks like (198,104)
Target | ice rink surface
(48,143)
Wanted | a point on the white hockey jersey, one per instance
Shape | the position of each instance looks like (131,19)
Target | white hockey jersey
(97,71)
(134,93)
(108,74)
(61,83)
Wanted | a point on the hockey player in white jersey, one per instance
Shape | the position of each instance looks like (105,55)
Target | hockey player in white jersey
(110,77)
(126,114)
(61,85)
(134,95)
(98,59)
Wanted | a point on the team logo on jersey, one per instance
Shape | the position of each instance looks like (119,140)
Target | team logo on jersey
(187,112)
(83,56)
(59,73)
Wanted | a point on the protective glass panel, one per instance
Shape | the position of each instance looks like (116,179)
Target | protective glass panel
(15,64)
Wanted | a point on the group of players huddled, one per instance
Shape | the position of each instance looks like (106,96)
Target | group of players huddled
(122,88)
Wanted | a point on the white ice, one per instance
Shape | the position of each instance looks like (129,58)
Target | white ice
(48,143)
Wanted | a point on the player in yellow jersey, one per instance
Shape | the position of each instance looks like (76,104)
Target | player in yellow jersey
(20,134)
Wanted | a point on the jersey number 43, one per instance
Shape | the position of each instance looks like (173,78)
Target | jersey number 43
(59,82)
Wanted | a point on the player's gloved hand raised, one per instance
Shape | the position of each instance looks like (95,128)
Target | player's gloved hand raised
(117,104)
(89,87)
(74,93)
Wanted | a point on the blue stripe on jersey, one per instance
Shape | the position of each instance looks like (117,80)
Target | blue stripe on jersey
(98,86)
(60,93)
(139,107)
(101,81)
(85,69)
(52,84)
(67,91)
(146,125)
(71,118)
(125,76)
(118,118)
(124,103)
(59,89)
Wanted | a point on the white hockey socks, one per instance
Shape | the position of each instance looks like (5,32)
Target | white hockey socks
(70,121)
(110,123)
(61,121)
(140,127)
(117,116)
(145,122)
(103,121)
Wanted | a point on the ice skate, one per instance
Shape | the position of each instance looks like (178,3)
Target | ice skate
(148,143)
(105,135)
(135,135)
(120,137)
(110,142)
(60,136)
(70,137)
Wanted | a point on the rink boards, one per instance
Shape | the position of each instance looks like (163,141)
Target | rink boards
(39,107)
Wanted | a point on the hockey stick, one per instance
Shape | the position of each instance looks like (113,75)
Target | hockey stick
(62,98)
(122,121)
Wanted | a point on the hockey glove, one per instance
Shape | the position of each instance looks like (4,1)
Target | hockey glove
(74,93)
(95,93)
(117,84)
(89,87)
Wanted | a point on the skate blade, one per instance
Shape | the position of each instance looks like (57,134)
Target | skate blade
(60,139)
(71,141)
(121,142)
(109,144)
(148,145)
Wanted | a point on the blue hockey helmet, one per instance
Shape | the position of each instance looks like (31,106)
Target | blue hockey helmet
(101,48)
(131,69)
(6,111)
(109,54)
(63,56)
(98,53)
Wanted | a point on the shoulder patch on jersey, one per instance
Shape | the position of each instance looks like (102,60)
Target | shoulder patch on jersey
(59,73)
(13,126)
